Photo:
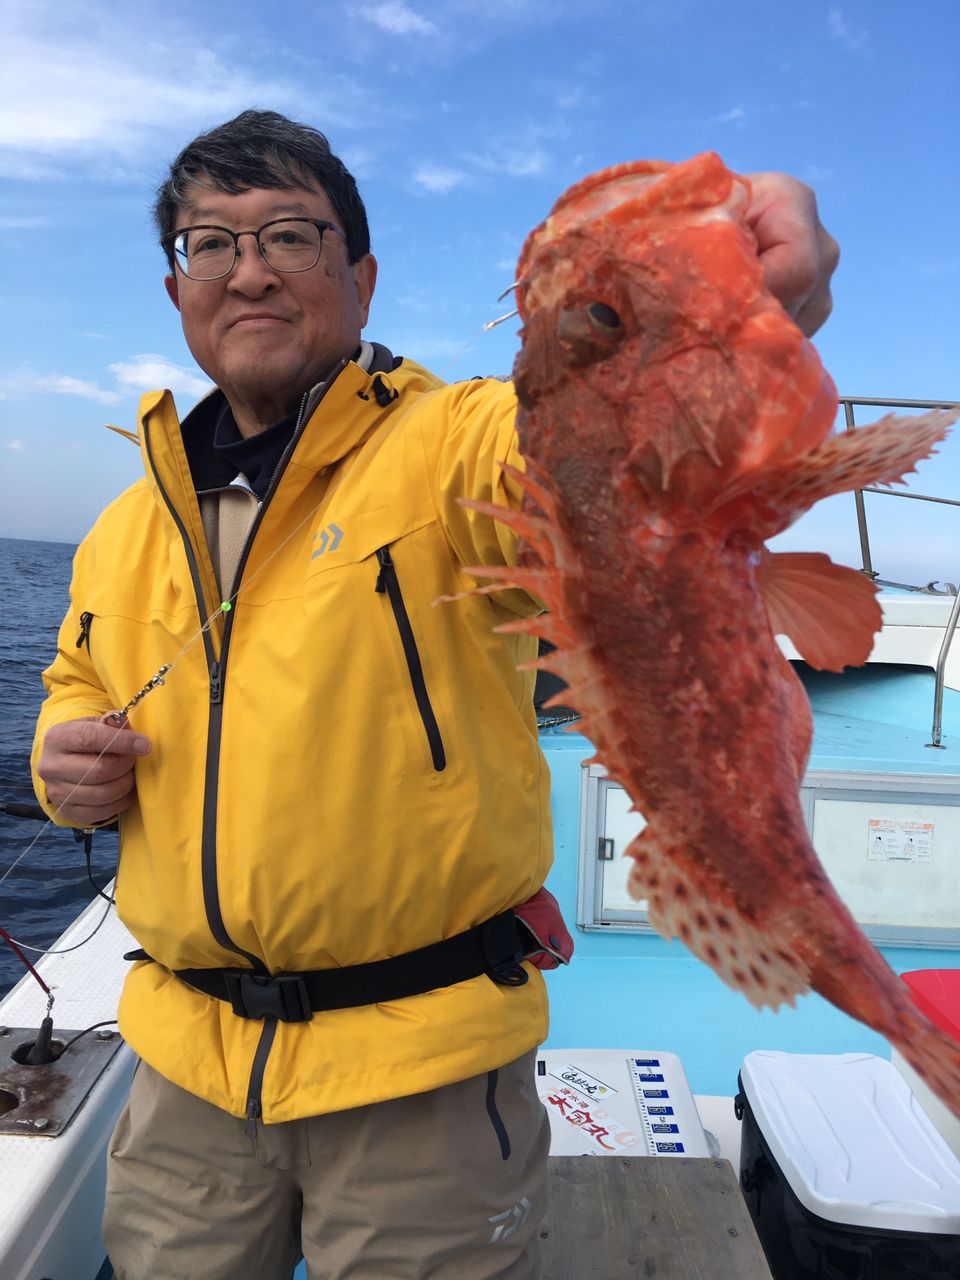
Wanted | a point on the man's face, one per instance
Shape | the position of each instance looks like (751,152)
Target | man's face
(265,336)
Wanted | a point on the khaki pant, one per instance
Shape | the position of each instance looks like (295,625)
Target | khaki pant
(445,1185)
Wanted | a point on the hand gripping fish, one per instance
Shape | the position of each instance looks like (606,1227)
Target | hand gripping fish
(674,419)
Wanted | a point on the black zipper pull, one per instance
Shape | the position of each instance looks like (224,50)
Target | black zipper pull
(253,1115)
(83,638)
(384,392)
(216,682)
(386,563)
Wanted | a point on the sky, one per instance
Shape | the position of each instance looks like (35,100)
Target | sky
(463,123)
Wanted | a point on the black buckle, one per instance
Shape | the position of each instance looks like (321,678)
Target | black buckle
(502,950)
(257,995)
(509,973)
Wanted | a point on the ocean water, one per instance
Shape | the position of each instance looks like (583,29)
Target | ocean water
(50,886)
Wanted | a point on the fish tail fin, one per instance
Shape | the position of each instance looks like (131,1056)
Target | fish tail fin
(935,1057)
(864,986)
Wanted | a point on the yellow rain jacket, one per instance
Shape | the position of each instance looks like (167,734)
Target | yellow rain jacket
(298,806)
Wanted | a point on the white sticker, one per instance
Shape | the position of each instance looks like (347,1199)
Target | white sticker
(579,1080)
(893,840)
(606,1131)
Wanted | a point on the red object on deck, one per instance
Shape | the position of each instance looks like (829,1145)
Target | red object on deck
(936,992)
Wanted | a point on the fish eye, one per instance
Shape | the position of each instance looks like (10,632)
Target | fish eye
(603,318)
(588,332)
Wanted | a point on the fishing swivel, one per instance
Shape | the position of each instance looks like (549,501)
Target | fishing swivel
(119,718)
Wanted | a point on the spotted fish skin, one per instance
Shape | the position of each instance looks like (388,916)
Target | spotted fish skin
(673,418)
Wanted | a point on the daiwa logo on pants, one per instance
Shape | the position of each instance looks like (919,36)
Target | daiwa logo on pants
(505,1224)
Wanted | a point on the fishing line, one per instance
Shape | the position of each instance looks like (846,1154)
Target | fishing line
(56,951)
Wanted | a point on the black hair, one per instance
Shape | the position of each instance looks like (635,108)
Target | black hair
(262,150)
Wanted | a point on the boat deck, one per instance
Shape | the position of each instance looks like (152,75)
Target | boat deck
(878,719)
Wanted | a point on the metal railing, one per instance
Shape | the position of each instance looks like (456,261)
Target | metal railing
(849,403)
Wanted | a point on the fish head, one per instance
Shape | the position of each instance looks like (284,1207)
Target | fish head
(650,339)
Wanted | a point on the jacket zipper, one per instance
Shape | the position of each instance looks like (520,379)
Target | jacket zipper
(387,581)
(254,1107)
(217,670)
(254,1111)
(86,622)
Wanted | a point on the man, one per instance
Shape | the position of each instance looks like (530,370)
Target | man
(332,804)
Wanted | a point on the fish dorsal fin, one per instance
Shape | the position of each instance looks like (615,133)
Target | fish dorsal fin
(829,612)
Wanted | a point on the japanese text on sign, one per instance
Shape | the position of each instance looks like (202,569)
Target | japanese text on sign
(893,840)
(603,1129)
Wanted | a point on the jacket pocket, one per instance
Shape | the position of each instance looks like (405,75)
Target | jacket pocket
(499,1128)
(389,584)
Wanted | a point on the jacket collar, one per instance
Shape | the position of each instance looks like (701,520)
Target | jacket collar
(350,406)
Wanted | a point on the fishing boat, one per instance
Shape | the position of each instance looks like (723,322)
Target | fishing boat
(882,800)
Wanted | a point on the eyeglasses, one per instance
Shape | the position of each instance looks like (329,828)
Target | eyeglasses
(285,244)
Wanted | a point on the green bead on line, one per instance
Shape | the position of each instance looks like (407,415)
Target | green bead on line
(225,606)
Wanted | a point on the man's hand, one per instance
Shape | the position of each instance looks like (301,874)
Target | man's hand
(85,789)
(798,255)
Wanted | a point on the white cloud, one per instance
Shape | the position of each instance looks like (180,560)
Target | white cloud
(417,300)
(106,104)
(856,39)
(22,168)
(515,162)
(512,160)
(150,372)
(431,347)
(397,18)
(10,222)
(65,385)
(15,386)
(360,160)
(733,116)
(438,179)
(14,446)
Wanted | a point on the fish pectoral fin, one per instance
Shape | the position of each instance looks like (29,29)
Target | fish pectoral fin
(694,906)
(829,612)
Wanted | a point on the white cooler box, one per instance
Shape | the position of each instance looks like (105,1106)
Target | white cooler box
(844,1175)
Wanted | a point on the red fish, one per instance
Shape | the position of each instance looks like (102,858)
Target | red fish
(674,419)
